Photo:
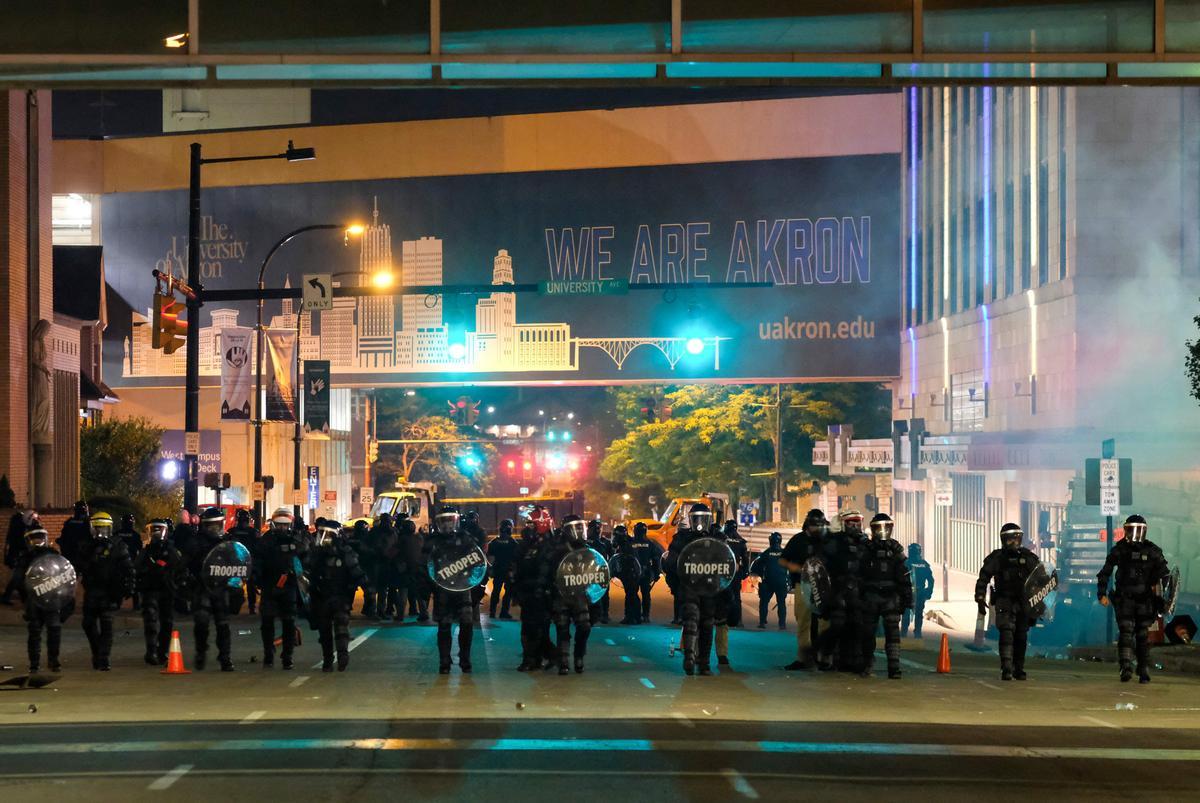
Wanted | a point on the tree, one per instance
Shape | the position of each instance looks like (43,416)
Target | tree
(119,459)
(1192,362)
(416,417)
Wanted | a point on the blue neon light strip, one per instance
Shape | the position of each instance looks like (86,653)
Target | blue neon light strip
(987,191)
(912,202)
(912,361)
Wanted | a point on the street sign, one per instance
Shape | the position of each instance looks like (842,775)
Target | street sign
(299,497)
(331,496)
(776,510)
(317,291)
(366,495)
(829,500)
(883,492)
(1110,502)
(258,491)
(524,491)
(314,486)
(943,492)
(191,443)
(1099,473)
(593,287)
(328,510)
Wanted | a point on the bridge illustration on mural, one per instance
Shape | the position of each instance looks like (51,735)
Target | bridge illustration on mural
(408,333)
(673,348)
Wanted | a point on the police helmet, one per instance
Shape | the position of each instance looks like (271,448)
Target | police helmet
(385,520)
(471,517)
(361,527)
(852,521)
(815,522)
(159,529)
(639,530)
(29,517)
(212,521)
(700,517)
(37,536)
(730,530)
(775,539)
(574,527)
(282,519)
(128,522)
(242,517)
(541,519)
(882,526)
(328,531)
(102,525)
(914,551)
(1135,528)
(447,520)
(506,528)
(81,509)
(1011,536)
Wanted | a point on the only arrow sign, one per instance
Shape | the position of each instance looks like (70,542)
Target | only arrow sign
(317,294)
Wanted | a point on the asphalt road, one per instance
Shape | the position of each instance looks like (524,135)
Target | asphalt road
(631,726)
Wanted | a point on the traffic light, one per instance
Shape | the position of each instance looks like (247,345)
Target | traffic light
(372,450)
(649,411)
(169,332)
(464,412)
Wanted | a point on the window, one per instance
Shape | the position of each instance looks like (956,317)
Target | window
(966,401)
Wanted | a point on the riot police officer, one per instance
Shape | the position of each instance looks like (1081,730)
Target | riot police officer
(885,591)
(501,552)
(533,598)
(1007,569)
(1136,597)
(604,546)
(158,570)
(15,547)
(449,537)
(565,610)
(244,532)
(76,535)
(128,535)
(802,549)
(414,585)
(279,565)
(698,610)
(649,557)
(774,582)
(841,555)
(729,605)
(358,539)
(334,576)
(922,579)
(107,581)
(37,618)
(210,606)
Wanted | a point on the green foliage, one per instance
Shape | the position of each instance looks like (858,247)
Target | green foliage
(119,462)
(412,417)
(1192,362)
(719,436)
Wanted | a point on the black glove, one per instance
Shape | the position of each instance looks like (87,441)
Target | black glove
(982,607)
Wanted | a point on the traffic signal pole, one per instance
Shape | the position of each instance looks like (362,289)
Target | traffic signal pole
(191,399)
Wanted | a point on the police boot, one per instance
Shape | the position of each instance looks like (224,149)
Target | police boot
(199,660)
(1143,673)
(53,642)
(269,658)
(893,672)
(689,662)
(343,660)
(465,635)
(1126,673)
(1006,671)
(151,656)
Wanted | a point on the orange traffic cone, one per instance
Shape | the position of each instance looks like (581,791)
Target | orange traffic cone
(175,658)
(943,664)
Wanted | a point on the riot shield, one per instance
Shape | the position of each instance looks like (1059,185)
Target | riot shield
(706,566)
(458,567)
(625,568)
(582,574)
(817,585)
(1038,586)
(1171,594)
(50,582)
(227,565)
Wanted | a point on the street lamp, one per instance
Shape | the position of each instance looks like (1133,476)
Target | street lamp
(191,394)
(354,229)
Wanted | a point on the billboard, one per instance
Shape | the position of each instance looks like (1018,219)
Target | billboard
(824,232)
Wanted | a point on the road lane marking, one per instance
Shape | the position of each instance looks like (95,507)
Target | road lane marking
(646,682)
(192,746)
(627,659)
(168,780)
(1099,721)
(366,634)
(252,717)
(683,719)
(298,682)
(988,685)
(740,784)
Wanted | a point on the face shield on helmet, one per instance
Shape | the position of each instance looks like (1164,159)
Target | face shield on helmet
(574,528)
(37,537)
(730,529)
(700,518)
(541,520)
(212,523)
(29,518)
(882,527)
(282,520)
(446,521)
(1135,528)
(328,532)
(816,525)
(102,526)
(1011,536)
(852,521)
(158,530)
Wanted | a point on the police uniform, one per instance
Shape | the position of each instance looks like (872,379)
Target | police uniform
(1140,566)
(1008,569)
(885,591)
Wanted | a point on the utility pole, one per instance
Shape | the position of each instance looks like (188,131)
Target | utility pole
(191,398)
(779,446)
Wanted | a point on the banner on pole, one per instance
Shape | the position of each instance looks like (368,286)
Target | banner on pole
(236,381)
(281,375)
(316,396)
